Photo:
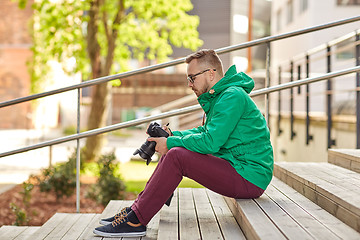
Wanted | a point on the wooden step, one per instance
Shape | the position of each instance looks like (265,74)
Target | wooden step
(110,210)
(204,214)
(346,158)
(283,213)
(192,214)
(334,188)
(65,226)
(17,232)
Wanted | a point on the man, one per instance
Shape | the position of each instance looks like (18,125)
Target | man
(230,154)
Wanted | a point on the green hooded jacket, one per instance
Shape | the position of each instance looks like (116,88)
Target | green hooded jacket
(234,129)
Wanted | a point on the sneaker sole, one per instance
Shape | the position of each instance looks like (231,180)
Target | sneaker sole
(133,234)
(104,222)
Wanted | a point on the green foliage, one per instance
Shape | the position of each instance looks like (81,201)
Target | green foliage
(124,29)
(21,3)
(57,35)
(21,216)
(60,178)
(109,185)
(70,130)
(27,188)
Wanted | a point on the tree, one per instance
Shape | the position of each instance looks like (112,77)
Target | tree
(102,35)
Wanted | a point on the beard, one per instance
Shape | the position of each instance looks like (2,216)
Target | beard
(200,91)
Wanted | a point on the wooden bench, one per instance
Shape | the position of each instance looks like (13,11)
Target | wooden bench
(333,188)
(280,213)
(17,232)
(283,213)
(346,158)
(193,214)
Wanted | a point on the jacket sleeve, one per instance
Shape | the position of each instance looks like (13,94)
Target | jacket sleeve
(189,131)
(226,113)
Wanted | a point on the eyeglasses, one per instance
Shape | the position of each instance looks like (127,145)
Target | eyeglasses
(191,78)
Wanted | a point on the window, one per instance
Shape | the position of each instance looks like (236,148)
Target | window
(278,20)
(240,23)
(303,5)
(348,2)
(289,11)
(345,50)
(241,63)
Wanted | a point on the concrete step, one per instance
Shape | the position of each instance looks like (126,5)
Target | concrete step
(17,232)
(283,213)
(346,158)
(335,189)
(6,186)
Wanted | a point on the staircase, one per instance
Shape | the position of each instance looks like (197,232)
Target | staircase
(303,201)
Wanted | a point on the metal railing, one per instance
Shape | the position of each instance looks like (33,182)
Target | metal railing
(267,90)
(294,65)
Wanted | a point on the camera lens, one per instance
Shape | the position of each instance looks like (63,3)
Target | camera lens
(146,151)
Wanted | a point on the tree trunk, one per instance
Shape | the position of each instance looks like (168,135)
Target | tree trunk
(97,118)
(100,96)
(100,99)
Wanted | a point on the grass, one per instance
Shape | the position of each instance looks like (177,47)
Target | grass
(136,173)
(70,130)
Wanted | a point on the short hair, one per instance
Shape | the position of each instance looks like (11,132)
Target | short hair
(207,57)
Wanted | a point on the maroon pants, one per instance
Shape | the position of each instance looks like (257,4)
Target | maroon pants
(212,172)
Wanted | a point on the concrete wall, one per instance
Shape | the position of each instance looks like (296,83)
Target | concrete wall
(296,150)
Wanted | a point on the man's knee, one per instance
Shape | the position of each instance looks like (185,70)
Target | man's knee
(177,152)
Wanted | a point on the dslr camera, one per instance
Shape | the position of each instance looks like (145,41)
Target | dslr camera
(148,148)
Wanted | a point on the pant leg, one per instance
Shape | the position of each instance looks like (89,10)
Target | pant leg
(151,177)
(212,172)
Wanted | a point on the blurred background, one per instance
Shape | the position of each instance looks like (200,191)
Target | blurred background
(219,24)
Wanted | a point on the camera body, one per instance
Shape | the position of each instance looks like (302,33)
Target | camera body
(147,150)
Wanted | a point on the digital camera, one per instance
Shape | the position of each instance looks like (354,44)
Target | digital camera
(147,150)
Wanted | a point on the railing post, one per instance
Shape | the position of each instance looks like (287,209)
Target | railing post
(308,136)
(78,154)
(331,141)
(50,155)
(267,84)
(292,133)
(357,56)
(299,77)
(279,104)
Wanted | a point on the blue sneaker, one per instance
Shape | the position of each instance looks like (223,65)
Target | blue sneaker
(124,212)
(121,227)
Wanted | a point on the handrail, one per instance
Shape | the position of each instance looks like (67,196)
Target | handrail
(322,46)
(177,112)
(100,80)
(179,61)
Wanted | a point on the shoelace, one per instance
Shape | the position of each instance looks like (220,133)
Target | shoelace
(118,221)
(122,213)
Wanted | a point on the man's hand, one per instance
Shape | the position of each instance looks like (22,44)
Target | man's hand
(167,129)
(161,146)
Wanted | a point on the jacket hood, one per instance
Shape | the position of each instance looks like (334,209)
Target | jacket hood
(233,78)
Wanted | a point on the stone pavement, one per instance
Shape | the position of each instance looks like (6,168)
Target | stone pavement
(16,169)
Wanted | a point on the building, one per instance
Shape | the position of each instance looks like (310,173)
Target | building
(291,15)
(222,23)
(15,45)
(294,138)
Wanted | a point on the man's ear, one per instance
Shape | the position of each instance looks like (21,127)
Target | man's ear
(212,75)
